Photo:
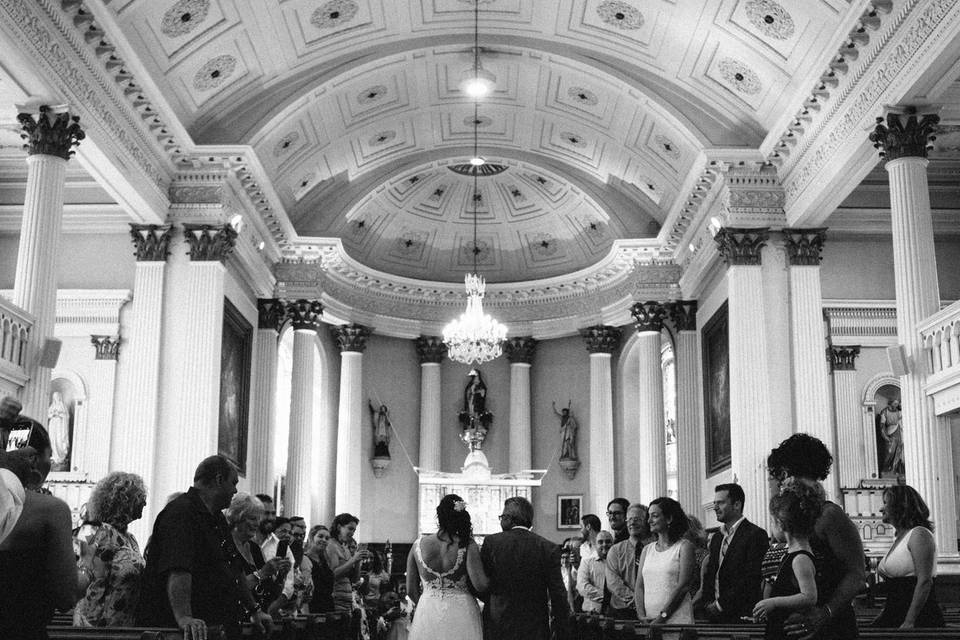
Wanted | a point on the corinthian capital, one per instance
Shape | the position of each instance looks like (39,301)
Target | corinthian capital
(210,243)
(431,349)
(649,316)
(270,313)
(904,135)
(351,337)
(520,349)
(305,314)
(843,358)
(601,338)
(739,246)
(804,246)
(107,347)
(151,242)
(50,133)
(683,313)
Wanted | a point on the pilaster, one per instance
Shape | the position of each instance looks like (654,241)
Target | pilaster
(304,316)
(263,390)
(850,466)
(652,456)
(520,352)
(602,342)
(352,340)
(683,314)
(431,351)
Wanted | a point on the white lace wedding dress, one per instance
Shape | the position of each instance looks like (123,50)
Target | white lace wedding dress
(446,608)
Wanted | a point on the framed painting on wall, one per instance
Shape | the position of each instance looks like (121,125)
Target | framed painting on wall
(716,390)
(568,511)
(235,358)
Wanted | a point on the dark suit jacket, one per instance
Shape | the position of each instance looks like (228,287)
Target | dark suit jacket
(524,571)
(740,580)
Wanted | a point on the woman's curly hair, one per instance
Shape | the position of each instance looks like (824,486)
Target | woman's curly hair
(798,506)
(800,455)
(117,499)
(454,519)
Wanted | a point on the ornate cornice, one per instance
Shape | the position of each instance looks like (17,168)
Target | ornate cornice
(904,136)
(209,243)
(271,314)
(649,316)
(804,246)
(107,347)
(683,313)
(601,338)
(867,323)
(50,133)
(304,315)
(151,241)
(739,246)
(520,350)
(351,337)
(843,358)
(430,349)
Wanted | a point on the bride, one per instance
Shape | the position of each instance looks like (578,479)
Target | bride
(447,563)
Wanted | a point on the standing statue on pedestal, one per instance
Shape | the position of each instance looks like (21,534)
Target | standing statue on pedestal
(568,440)
(891,429)
(475,420)
(380,419)
(58,426)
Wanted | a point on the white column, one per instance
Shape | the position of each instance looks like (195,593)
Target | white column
(811,384)
(306,319)
(263,392)
(134,441)
(431,352)
(520,352)
(352,340)
(689,459)
(749,404)
(602,341)
(850,464)
(650,421)
(927,446)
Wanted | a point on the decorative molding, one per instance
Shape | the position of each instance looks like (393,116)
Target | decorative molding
(520,349)
(351,337)
(804,246)
(304,315)
(50,133)
(863,322)
(271,314)
(209,243)
(151,241)
(899,139)
(85,312)
(843,358)
(683,313)
(107,347)
(601,338)
(738,246)
(649,316)
(752,197)
(430,349)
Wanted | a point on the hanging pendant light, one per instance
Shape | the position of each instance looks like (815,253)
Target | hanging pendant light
(476,81)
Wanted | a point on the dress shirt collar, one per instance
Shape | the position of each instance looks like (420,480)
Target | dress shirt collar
(729,531)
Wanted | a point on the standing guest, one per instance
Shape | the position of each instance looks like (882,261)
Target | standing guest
(113,565)
(794,511)
(269,517)
(569,564)
(189,581)
(732,581)
(378,580)
(592,575)
(617,517)
(622,562)
(38,570)
(909,567)
(10,408)
(590,527)
(243,517)
(271,548)
(344,563)
(302,567)
(322,574)
(836,544)
(697,536)
(662,591)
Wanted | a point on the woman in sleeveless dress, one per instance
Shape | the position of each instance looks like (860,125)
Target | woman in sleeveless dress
(447,564)
(910,565)
(667,567)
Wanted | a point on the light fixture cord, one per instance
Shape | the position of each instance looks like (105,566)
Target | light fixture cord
(476,36)
(476,126)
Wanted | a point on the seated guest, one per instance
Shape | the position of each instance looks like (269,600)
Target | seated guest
(321,573)
(38,569)
(622,561)
(344,562)
(588,531)
(190,581)
(592,575)
(662,591)
(112,563)
(243,517)
(731,584)
(836,544)
(909,567)
(617,517)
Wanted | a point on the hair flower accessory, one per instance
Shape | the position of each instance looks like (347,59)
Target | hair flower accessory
(460,505)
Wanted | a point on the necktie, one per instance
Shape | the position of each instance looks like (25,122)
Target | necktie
(637,550)
(723,551)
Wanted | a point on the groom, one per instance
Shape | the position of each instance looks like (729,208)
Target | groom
(524,571)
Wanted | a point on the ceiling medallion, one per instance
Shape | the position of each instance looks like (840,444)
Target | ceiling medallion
(737,74)
(770,18)
(667,146)
(620,14)
(283,144)
(333,14)
(573,139)
(583,96)
(479,121)
(543,244)
(483,170)
(183,17)
(372,94)
(214,73)
(382,138)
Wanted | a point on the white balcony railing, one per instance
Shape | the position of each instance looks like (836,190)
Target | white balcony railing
(16,326)
(941,342)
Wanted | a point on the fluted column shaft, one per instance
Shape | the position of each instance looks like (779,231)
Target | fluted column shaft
(852,444)
(35,283)
(301,424)
(430,416)
(927,448)
(689,460)
(352,342)
(521,456)
(263,418)
(650,421)
(601,341)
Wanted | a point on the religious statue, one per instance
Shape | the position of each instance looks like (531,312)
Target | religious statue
(58,427)
(568,432)
(381,430)
(892,433)
(475,420)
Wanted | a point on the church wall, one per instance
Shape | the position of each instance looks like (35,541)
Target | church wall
(86,261)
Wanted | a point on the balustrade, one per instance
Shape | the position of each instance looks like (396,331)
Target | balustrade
(16,327)
(940,335)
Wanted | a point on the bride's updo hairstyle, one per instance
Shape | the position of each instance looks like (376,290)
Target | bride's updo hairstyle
(454,519)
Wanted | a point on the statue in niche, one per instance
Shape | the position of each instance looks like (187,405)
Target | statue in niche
(381,430)
(58,427)
(475,420)
(891,421)
(568,432)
